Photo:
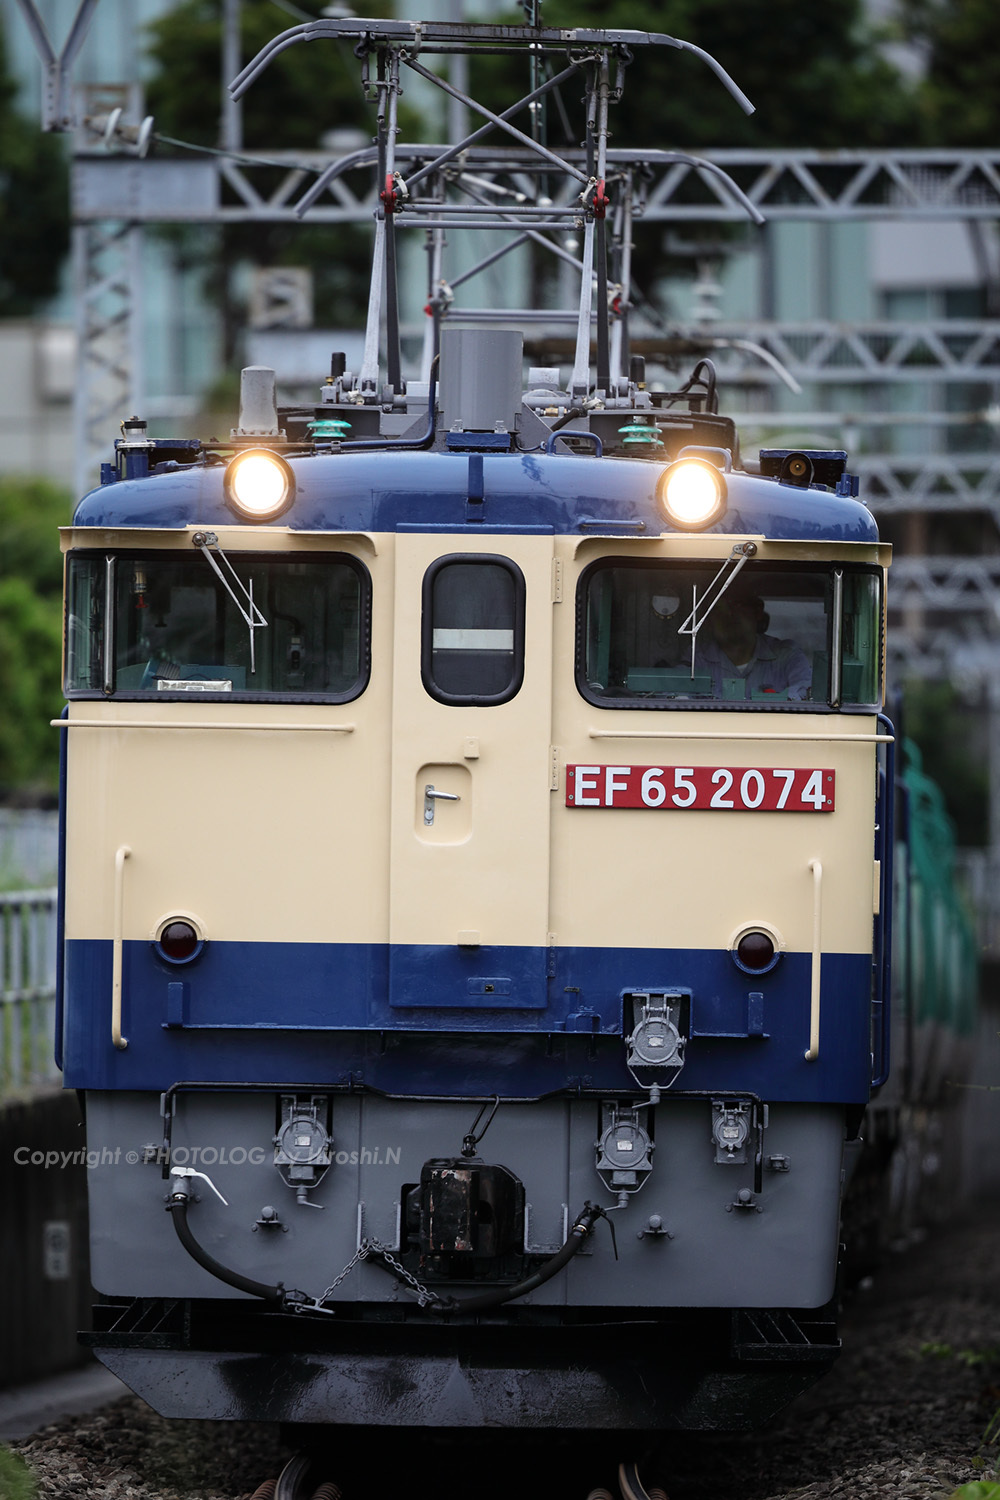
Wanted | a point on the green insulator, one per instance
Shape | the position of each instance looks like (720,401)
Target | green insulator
(640,434)
(328,427)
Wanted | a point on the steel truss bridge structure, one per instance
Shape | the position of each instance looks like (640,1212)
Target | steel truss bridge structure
(676,188)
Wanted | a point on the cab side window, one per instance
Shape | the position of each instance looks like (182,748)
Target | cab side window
(472,645)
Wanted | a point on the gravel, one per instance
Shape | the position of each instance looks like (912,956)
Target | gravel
(904,1410)
(902,1416)
(127,1452)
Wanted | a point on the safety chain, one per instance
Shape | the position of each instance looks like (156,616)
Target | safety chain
(375,1247)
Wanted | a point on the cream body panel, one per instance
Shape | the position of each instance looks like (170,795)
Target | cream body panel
(481,875)
(669,878)
(630,877)
(276,834)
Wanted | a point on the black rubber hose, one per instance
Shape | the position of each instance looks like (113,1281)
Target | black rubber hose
(574,1240)
(280,1296)
(376,445)
(178,1208)
(574,411)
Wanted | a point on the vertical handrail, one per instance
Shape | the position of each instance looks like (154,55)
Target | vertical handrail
(60,998)
(812,1051)
(121,855)
(885,848)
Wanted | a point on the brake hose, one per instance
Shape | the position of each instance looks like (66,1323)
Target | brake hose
(583,1226)
(177,1205)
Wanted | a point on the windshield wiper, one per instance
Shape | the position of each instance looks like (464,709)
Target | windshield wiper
(737,559)
(204,540)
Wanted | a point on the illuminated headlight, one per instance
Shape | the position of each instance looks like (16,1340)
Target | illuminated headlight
(259,485)
(692,493)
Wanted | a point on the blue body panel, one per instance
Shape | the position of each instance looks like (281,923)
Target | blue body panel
(260,1012)
(383,492)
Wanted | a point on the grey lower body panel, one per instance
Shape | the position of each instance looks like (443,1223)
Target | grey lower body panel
(778,1250)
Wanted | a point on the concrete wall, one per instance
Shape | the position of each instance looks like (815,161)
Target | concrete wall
(45,1291)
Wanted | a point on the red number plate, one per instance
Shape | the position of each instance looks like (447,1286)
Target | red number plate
(725,788)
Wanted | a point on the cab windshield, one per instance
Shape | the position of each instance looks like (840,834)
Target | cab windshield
(164,623)
(788,635)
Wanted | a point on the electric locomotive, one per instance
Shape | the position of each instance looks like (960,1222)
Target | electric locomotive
(477,871)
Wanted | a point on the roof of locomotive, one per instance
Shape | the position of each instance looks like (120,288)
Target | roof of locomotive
(522,492)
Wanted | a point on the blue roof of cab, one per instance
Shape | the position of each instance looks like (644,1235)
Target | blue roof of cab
(524,492)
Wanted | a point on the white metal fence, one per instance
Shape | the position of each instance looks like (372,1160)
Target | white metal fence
(29,847)
(27,988)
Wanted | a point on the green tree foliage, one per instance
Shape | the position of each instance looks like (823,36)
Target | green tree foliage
(31,510)
(960,95)
(309,89)
(34,206)
(813,71)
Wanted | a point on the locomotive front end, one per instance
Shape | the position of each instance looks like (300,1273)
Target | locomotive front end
(477,823)
(388,825)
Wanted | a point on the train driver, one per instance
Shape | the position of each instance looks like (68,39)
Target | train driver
(735,649)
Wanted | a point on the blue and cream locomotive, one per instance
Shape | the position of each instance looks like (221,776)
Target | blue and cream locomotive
(477,823)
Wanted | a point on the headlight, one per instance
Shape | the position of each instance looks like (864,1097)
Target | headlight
(692,493)
(259,485)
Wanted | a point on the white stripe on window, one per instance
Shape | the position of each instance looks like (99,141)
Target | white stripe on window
(473,640)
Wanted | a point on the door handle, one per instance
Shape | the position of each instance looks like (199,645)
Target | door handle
(430,796)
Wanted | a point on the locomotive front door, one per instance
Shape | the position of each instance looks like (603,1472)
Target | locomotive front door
(469,843)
